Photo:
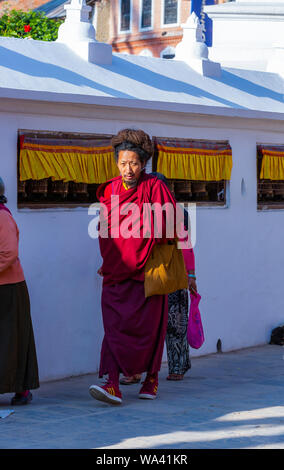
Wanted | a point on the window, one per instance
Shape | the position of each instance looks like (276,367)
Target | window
(197,171)
(62,169)
(270,177)
(170,13)
(168,53)
(125,15)
(146,14)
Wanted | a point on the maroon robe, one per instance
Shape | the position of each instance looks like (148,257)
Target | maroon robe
(135,326)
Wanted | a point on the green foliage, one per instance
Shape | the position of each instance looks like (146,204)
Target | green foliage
(30,24)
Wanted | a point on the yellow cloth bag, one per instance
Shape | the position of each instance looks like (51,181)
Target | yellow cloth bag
(165,270)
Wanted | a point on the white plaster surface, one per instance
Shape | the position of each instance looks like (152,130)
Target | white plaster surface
(40,70)
(245,32)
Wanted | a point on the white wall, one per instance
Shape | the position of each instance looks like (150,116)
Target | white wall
(245,32)
(239,251)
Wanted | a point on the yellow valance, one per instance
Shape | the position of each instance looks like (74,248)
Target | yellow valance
(81,164)
(272,166)
(194,163)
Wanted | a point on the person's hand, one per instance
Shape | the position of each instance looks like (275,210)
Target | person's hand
(100,272)
(192,287)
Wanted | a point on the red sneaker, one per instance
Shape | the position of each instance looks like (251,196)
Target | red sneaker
(108,393)
(149,389)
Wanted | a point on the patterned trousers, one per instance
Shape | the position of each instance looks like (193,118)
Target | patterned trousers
(176,341)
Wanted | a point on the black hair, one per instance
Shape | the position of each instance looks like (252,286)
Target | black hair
(143,156)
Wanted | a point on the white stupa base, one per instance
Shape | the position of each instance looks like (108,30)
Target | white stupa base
(205,67)
(79,34)
(193,50)
(94,52)
(276,61)
(244,32)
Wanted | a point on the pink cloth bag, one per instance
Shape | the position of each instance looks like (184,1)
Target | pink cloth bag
(195,335)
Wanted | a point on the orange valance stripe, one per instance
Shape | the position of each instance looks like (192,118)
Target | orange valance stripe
(81,164)
(199,164)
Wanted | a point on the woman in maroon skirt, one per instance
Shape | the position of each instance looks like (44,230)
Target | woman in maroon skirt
(135,326)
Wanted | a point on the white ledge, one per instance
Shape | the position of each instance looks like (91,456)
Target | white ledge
(137,104)
(253,9)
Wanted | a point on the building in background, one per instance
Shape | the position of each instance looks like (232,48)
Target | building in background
(24,5)
(51,8)
(146,27)
(55,8)
(141,27)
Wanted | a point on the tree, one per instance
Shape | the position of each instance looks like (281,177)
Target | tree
(30,24)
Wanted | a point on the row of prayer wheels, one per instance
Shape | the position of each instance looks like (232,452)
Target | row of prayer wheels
(57,188)
(270,189)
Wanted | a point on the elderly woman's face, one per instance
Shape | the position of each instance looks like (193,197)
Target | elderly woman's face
(130,166)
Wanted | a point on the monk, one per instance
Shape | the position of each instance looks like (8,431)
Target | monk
(135,326)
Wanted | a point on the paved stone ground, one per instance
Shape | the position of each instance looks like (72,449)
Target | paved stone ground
(226,401)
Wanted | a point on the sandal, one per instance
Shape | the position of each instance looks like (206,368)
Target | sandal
(134,379)
(175,377)
(22,398)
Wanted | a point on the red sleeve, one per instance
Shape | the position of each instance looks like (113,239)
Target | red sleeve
(108,191)
(189,259)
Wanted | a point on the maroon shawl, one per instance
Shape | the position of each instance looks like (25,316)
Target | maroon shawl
(125,258)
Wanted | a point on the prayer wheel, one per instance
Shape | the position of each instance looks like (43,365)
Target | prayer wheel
(265,190)
(59,188)
(199,187)
(40,187)
(183,186)
(78,189)
(22,189)
(278,189)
